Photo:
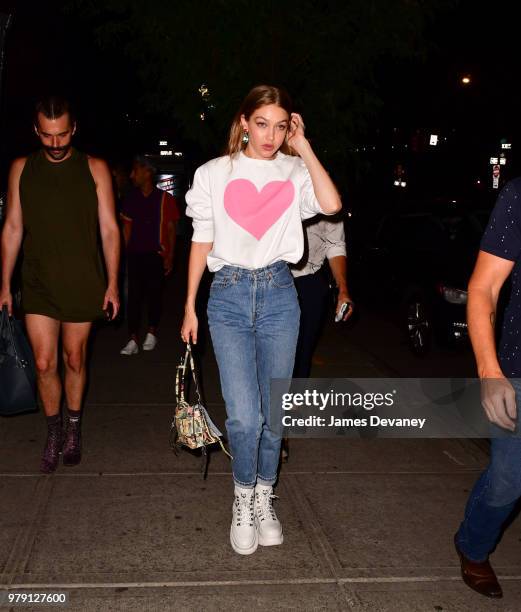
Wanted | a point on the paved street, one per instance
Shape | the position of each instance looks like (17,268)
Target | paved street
(368,523)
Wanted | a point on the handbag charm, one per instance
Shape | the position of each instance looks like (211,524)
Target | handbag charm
(191,425)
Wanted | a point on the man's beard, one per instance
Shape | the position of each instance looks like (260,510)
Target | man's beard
(58,153)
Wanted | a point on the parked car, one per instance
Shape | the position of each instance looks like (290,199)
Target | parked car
(417,268)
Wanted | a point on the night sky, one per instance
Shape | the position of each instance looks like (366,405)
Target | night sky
(49,51)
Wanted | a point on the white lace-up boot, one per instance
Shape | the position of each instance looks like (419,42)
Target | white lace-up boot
(243,532)
(268,525)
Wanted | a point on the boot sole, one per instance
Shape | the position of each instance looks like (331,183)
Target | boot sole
(48,471)
(71,463)
(245,551)
(271,541)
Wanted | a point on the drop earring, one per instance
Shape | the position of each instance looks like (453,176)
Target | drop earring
(245,137)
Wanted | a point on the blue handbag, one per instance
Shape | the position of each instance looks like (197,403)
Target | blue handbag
(17,369)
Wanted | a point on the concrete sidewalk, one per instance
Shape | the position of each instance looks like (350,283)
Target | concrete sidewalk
(368,523)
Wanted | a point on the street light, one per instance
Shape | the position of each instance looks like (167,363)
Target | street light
(466,80)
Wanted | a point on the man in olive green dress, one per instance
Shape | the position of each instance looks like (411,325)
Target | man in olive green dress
(58,199)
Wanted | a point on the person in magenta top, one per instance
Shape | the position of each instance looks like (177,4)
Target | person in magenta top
(149,227)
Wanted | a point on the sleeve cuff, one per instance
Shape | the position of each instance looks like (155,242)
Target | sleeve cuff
(323,212)
(498,252)
(336,251)
(202,235)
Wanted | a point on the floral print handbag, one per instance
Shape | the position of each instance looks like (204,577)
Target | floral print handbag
(191,424)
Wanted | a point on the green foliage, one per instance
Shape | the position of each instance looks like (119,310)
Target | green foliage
(325,52)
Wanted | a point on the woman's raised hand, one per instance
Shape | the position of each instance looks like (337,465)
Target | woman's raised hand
(296,136)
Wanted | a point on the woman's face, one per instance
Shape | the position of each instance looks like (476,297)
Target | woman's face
(267,128)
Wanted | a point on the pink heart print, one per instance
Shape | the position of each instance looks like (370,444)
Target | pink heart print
(257,211)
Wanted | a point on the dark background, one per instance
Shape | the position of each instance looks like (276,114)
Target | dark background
(373,80)
(375,96)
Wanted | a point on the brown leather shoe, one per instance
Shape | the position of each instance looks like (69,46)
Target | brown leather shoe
(479,576)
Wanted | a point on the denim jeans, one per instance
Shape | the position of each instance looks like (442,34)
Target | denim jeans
(254,321)
(494,495)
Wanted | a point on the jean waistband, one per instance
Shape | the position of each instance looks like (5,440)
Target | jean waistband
(257,273)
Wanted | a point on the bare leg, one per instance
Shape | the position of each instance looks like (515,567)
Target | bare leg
(74,338)
(43,335)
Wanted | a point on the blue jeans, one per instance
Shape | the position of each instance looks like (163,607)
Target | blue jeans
(494,495)
(254,321)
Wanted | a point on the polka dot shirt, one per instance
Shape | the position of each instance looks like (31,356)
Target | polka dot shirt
(503,239)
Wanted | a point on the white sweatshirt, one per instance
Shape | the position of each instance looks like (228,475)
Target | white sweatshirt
(251,209)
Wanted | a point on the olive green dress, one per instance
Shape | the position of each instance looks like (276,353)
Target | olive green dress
(62,269)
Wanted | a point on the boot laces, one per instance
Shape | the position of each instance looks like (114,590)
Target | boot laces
(265,508)
(244,509)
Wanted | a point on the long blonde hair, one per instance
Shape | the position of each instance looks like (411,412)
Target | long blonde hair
(261,95)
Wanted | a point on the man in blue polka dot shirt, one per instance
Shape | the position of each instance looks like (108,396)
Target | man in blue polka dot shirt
(495,494)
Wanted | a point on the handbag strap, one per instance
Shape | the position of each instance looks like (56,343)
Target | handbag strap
(187,360)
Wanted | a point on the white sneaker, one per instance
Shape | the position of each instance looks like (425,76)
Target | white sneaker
(131,348)
(243,532)
(268,525)
(150,342)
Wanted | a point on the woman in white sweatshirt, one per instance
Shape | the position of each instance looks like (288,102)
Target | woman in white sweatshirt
(247,209)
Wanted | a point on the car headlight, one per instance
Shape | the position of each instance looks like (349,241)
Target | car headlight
(454,296)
